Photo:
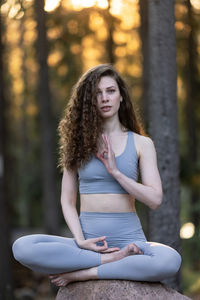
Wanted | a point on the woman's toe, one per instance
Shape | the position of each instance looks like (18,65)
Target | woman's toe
(58,283)
(63,283)
(55,280)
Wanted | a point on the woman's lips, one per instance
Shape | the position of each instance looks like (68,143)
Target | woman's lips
(106,108)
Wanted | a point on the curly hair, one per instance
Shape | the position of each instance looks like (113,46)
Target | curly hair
(81,125)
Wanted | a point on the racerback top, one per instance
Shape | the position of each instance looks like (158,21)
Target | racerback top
(94,178)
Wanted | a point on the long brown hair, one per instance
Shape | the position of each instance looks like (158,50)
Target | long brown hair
(81,125)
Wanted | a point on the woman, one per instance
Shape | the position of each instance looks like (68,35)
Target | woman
(101,149)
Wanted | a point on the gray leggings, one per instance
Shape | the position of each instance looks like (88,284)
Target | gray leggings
(49,254)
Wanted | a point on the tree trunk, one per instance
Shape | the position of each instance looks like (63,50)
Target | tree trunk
(191,109)
(5,251)
(164,223)
(145,74)
(25,138)
(110,42)
(143,7)
(48,153)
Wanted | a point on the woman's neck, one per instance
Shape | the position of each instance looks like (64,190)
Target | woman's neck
(112,126)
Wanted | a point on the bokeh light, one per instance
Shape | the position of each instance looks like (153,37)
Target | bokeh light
(83,3)
(195,4)
(187,230)
(50,5)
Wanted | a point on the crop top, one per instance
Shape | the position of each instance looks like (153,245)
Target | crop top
(95,179)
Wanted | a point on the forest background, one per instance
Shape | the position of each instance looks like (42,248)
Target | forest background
(44,48)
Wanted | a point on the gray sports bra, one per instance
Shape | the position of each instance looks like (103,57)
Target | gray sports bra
(94,178)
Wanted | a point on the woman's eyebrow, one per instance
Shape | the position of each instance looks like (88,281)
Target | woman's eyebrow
(111,87)
(108,87)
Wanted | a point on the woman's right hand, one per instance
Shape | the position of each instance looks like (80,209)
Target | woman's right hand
(90,244)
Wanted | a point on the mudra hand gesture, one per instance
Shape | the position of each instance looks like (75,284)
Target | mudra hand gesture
(107,156)
(91,244)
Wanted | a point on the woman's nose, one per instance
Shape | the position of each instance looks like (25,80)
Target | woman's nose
(104,97)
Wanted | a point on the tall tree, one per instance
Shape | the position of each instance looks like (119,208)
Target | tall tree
(143,31)
(110,28)
(50,199)
(191,110)
(5,261)
(164,224)
(25,139)
(143,4)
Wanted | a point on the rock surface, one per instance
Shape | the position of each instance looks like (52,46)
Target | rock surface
(117,290)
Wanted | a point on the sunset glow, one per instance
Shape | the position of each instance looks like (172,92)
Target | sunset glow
(50,5)
(79,4)
(102,3)
(83,3)
(195,3)
(14,10)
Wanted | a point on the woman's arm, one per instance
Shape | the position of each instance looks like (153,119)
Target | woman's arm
(68,203)
(149,191)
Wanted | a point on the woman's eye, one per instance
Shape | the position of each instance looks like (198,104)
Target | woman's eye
(111,91)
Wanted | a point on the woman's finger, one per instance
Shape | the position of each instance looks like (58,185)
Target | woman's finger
(99,238)
(100,248)
(108,142)
(102,156)
(105,154)
(108,145)
(105,244)
(98,155)
(110,151)
(105,140)
(109,250)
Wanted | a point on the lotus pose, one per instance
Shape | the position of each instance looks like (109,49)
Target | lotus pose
(102,150)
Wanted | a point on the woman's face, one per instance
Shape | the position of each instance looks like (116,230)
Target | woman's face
(108,97)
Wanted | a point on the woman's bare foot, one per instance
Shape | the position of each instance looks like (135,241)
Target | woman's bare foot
(80,275)
(130,249)
(88,274)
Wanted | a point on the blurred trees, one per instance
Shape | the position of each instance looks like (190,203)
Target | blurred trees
(5,261)
(50,197)
(192,121)
(162,119)
(188,59)
(78,38)
(144,33)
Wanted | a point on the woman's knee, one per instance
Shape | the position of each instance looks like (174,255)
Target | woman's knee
(169,263)
(22,249)
(173,262)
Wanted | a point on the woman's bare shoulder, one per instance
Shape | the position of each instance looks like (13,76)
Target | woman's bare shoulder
(70,175)
(142,139)
(143,143)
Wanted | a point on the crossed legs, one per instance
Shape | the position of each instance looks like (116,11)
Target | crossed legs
(61,256)
(92,273)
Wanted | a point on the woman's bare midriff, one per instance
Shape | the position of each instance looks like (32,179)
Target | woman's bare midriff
(107,203)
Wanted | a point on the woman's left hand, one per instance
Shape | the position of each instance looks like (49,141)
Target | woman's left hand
(107,156)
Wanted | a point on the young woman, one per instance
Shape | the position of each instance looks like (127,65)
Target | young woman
(102,148)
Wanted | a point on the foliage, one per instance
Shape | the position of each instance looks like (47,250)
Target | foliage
(78,39)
